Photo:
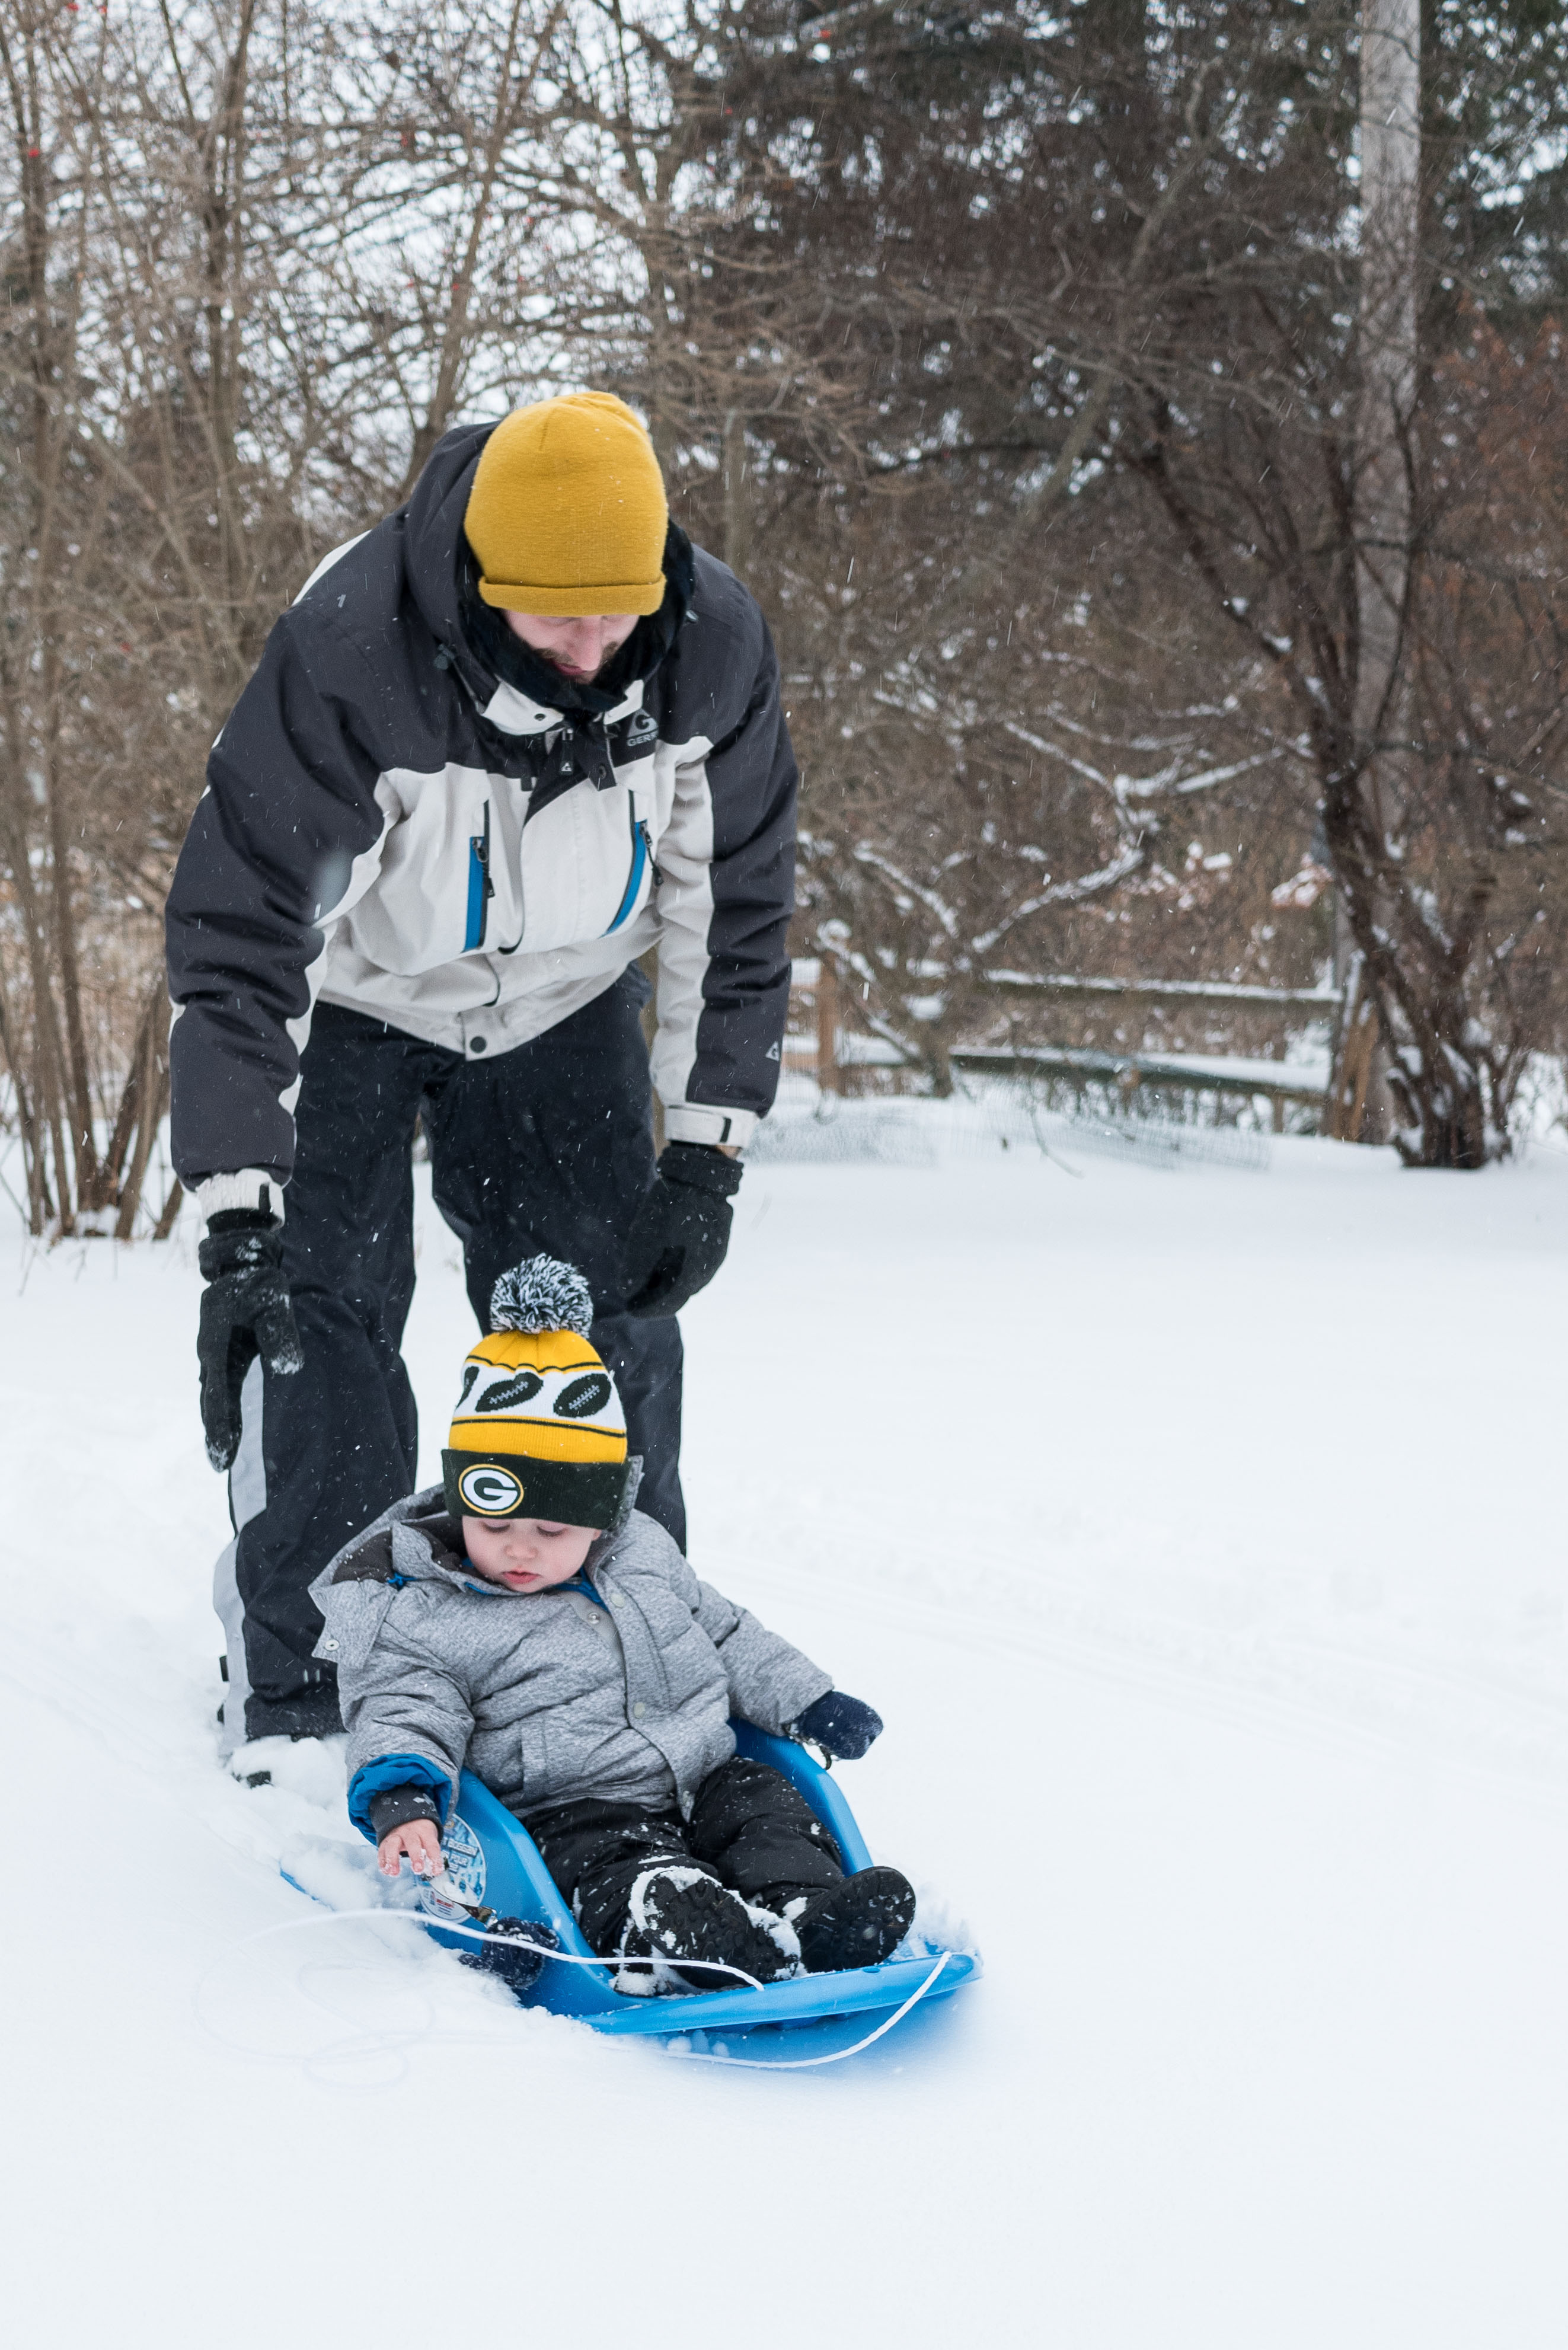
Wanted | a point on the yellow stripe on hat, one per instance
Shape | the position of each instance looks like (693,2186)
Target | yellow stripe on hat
(542,1395)
(538,1350)
(536,1440)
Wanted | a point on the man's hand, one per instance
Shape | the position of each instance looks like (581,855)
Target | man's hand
(420,1839)
(680,1233)
(246,1312)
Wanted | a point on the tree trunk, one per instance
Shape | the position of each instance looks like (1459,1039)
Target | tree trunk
(1390,251)
(737,494)
(827,1077)
(90,1189)
(458,333)
(27,1127)
(165,1224)
(150,1085)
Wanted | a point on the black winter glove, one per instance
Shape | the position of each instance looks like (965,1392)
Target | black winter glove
(680,1235)
(839,1725)
(246,1312)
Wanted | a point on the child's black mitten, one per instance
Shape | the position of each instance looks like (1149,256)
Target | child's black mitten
(519,1968)
(394,1807)
(840,1726)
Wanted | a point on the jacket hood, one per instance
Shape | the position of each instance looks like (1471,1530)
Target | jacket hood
(443,578)
(433,543)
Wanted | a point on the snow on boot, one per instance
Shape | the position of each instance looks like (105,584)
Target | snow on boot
(679,1913)
(856,1923)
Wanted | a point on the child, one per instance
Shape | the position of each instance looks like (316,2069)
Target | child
(524,1619)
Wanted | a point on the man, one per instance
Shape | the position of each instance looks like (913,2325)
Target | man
(514,736)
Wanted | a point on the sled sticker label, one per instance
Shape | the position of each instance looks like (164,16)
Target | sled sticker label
(464,1863)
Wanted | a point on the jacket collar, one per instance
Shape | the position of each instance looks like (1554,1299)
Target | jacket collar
(443,579)
(510,661)
(425,1540)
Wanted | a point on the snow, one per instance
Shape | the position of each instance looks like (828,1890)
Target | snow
(1200,1537)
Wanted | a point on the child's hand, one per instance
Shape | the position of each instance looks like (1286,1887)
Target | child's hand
(845,1726)
(420,1839)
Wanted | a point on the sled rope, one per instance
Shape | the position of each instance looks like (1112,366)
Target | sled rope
(566,1958)
(806,2063)
(570,1958)
(475,1934)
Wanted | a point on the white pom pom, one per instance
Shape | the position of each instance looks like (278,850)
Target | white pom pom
(541,1294)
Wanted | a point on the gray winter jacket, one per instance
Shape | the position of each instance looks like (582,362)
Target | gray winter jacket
(544,1696)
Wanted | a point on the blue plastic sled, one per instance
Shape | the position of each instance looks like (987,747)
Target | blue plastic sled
(491,1859)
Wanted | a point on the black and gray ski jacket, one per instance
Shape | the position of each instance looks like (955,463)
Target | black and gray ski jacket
(388,826)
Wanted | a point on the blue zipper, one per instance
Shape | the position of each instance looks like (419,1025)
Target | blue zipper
(481,889)
(639,854)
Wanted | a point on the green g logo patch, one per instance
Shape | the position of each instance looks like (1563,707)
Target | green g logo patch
(489,1492)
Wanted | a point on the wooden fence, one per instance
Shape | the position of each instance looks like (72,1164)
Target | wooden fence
(818,1037)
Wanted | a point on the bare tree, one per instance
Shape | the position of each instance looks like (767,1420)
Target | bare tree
(1257,352)
(1132,513)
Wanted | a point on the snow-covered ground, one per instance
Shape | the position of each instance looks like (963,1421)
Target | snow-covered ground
(1200,1535)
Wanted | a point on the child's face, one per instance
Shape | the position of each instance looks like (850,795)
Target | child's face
(526,1553)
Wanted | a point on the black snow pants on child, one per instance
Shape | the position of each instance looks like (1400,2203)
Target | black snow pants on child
(749,1829)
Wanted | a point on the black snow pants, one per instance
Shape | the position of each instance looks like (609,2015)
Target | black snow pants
(748,1829)
(547,1146)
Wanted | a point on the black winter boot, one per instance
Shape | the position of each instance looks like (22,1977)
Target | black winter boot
(858,1922)
(679,1913)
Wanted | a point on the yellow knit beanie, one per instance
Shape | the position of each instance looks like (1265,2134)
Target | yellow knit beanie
(568,513)
(538,1430)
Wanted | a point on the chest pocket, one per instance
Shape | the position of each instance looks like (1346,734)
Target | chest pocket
(579,868)
(441,850)
(468,868)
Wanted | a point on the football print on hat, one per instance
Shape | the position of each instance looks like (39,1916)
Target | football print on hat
(538,1430)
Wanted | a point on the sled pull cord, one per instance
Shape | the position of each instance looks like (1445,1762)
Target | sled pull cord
(569,1958)
(808,2063)
(471,1933)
